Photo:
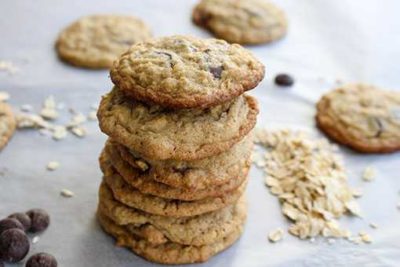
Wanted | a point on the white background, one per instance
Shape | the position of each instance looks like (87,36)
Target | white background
(328,40)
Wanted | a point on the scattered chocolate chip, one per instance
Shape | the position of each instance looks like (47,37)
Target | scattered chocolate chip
(23,219)
(217,71)
(41,260)
(14,245)
(165,53)
(40,220)
(284,80)
(10,223)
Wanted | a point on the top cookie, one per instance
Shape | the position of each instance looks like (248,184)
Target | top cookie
(362,117)
(96,41)
(243,22)
(7,124)
(186,72)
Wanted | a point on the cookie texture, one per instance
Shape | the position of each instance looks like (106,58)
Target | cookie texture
(96,41)
(167,253)
(193,175)
(363,117)
(186,72)
(185,134)
(198,230)
(142,182)
(7,124)
(243,22)
(130,196)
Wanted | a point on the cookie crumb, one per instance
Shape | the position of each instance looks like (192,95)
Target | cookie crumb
(4,96)
(357,192)
(79,131)
(59,133)
(373,225)
(67,193)
(369,174)
(92,116)
(49,111)
(53,165)
(366,238)
(275,235)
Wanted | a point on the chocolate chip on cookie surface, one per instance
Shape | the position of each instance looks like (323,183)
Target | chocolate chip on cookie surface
(42,260)
(96,41)
(14,245)
(7,124)
(186,72)
(363,117)
(243,22)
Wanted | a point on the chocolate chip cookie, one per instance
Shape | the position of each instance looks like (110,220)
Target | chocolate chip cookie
(169,252)
(363,117)
(186,72)
(130,196)
(7,124)
(198,230)
(185,134)
(243,22)
(142,182)
(193,175)
(96,41)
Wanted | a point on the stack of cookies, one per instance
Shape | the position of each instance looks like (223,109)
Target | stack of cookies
(176,163)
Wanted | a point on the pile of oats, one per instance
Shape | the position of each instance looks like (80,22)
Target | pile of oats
(49,112)
(310,181)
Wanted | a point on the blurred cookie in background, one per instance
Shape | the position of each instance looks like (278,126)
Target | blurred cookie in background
(241,21)
(96,41)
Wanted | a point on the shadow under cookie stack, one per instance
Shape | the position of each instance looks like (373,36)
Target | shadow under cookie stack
(176,162)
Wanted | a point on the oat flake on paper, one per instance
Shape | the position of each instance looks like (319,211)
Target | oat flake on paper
(310,181)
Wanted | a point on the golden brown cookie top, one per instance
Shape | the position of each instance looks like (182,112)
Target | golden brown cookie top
(186,72)
(243,22)
(362,116)
(96,41)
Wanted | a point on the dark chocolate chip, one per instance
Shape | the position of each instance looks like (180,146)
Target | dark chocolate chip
(284,80)
(217,71)
(23,219)
(10,223)
(380,127)
(41,260)
(40,220)
(14,245)
(165,53)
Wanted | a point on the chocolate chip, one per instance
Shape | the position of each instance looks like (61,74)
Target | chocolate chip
(284,80)
(41,260)
(165,53)
(40,220)
(10,223)
(14,245)
(217,71)
(23,219)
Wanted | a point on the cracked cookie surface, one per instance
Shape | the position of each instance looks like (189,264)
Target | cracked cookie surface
(130,196)
(96,41)
(146,185)
(184,134)
(363,117)
(7,124)
(186,72)
(167,253)
(198,230)
(193,175)
(243,22)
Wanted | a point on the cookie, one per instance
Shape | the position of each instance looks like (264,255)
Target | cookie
(142,182)
(363,117)
(168,253)
(132,197)
(185,134)
(193,175)
(186,72)
(96,41)
(7,124)
(198,230)
(243,22)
